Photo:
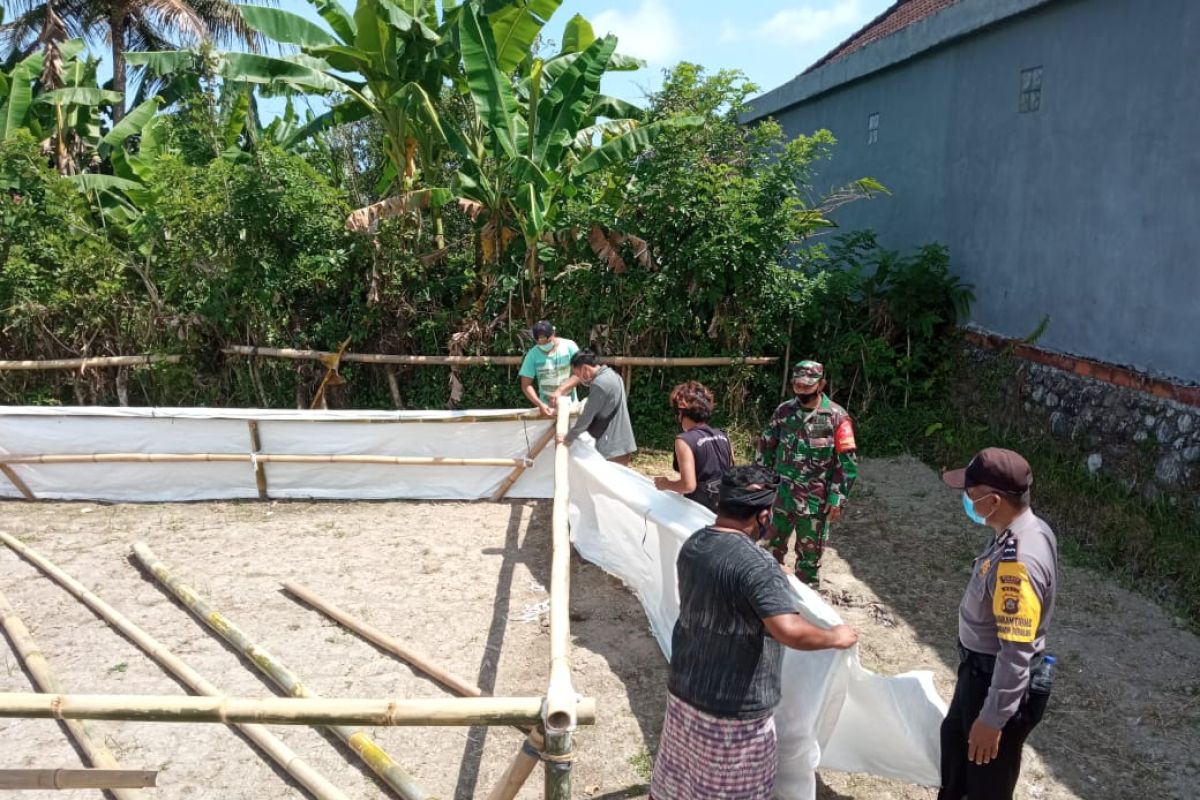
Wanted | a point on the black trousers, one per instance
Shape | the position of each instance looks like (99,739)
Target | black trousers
(997,779)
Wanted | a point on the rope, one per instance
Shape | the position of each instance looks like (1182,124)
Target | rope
(550,758)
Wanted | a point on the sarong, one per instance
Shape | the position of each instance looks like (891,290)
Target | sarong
(702,757)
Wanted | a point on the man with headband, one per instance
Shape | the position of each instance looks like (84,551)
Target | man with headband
(736,614)
(810,442)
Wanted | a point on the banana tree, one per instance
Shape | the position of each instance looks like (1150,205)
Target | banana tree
(537,139)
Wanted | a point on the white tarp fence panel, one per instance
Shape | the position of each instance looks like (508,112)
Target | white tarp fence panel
(88,430)
(834,713)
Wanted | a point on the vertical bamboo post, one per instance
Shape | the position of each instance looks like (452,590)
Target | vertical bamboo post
(44,680)
(559,712)
(627,377)
(260,472)
(281,754)
(16,481)
(363,746)
(538,446)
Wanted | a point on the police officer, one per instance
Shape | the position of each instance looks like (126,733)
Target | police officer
(810,443)
(1003,674)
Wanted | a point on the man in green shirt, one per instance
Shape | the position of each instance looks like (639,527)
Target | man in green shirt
(549,363)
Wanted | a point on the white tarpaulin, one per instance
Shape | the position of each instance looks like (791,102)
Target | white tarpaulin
(29,430)
(833,713)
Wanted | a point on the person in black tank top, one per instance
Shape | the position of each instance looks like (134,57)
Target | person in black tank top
(702,453)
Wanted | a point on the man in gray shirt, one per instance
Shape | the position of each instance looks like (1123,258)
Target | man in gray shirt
(1004,673)
(605,416)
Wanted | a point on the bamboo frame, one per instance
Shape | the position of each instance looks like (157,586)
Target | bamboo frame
(370,753)
(44,680)
(89,363)
(262,458)
(267,742)
(538,446)
(390,712)
(121,782)
(477,361)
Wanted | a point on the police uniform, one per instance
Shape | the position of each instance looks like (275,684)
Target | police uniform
(814,452)
(1003,680)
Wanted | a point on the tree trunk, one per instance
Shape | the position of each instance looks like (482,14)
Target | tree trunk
(533,266)
(116,23)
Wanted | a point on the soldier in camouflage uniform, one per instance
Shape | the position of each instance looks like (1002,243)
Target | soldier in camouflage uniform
(810,443)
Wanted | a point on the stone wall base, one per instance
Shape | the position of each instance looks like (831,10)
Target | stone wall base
(1147,442)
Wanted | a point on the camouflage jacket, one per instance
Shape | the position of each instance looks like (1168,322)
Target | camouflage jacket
(814,454)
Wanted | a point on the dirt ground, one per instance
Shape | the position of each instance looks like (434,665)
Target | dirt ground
(463,583)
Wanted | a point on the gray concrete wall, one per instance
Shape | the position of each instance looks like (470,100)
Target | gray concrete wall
(1087,210)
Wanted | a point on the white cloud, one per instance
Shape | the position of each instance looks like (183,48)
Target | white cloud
(649,32)
(800,25)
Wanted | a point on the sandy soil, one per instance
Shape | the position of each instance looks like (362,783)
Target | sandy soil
(463,582)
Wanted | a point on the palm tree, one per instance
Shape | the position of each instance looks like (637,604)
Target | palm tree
(126,25)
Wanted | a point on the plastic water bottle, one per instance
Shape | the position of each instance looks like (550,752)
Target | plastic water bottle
(1041,679)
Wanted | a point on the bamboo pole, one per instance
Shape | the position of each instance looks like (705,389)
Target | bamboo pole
(464,712)
(264,458)
(363,746)
(384,642)
(260,472)
(16,481)
(467,361)
(538,446)
(559,715)
(520,768)
(44,680)
(89,363)
(527,757)
(121,782)
(267,742)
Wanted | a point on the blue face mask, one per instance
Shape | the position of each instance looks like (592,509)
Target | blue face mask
(969,507)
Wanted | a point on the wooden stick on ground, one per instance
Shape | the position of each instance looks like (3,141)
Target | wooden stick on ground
(44,680)
(538,446)
(121,782)
(381,640)
(527,757)
(363,746)
(267,742)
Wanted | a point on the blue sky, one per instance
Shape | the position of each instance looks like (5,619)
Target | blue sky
(770,40)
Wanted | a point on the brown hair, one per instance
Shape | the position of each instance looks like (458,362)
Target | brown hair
(694,399)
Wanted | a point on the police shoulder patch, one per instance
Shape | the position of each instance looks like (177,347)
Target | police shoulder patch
(1015,605)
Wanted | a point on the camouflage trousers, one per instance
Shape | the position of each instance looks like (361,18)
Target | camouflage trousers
(811,535)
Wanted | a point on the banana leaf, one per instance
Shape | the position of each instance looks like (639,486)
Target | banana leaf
(286,27)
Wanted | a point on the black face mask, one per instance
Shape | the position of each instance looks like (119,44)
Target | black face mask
(807,398)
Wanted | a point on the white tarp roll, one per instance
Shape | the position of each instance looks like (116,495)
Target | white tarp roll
(32,430)
(833,713)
